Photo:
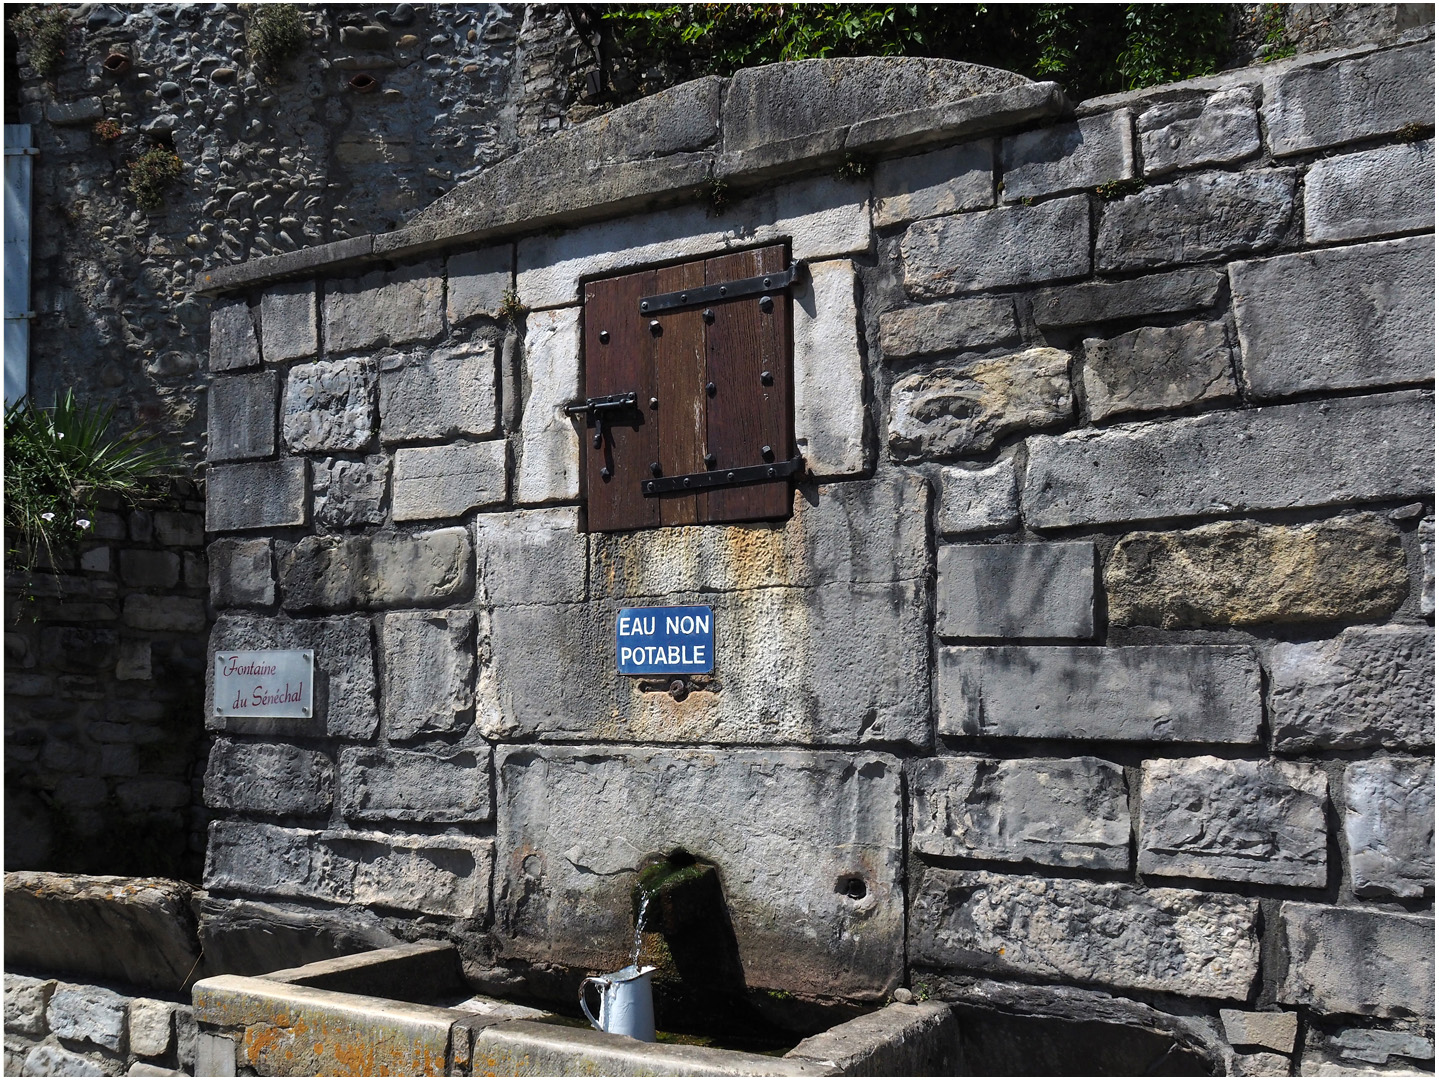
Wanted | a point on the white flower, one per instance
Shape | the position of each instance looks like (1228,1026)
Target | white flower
(48,516)
(59,434)
(84,523)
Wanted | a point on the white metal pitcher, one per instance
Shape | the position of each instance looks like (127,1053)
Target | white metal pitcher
(627,1004)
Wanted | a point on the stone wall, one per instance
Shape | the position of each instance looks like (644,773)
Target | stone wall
(1092,674)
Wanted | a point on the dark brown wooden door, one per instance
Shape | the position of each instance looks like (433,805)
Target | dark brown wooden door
(714,391)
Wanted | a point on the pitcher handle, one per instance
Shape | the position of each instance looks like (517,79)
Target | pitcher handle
(585,1005)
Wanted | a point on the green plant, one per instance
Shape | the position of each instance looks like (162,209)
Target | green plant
(151,173)
(1410,133)
(1277,45)
(108,129)
(853,167)
(274,34)
(58,462)
(42,28)
(511,310)
(1118,189)
(719,195)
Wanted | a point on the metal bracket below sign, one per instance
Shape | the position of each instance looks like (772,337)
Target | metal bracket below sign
(728,290)
(722,478)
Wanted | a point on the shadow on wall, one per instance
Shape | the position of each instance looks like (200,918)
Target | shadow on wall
(997,1044)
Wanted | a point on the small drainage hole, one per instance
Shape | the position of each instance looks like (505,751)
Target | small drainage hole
(852,887)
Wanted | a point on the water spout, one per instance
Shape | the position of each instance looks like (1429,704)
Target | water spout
(645,898)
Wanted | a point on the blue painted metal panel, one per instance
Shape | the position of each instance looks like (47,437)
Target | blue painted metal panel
(665,641)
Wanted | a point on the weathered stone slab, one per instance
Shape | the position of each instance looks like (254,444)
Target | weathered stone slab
(259,495)
(1356,961)
(476,282)
(384,309)
(1099,301)
(1202,131)
(242,416)
(1156,368)
(382,784)
(1045,811)
(1370,686)
(330,405)
(1140,693)
(1347,1052)
(789,831)
(149,569)
(25,1002)
(233,343)
(1337,319)
(531,556)
(978,499)
(52,1059)
(940,182)
(865,644)
(1015,591)
(448,481)
(138,931)
(1174,940)
(1389,189)
(1389,826)
(268,778)
(947,327)
(1258,821)
(376,570)
(165,613)
(914,1039)
(439,393)
(152,1026)
(1426,558)
(829,408)
(349,493)
(1014,245)
(179,530)
(289,329)
(547,465)
(344,700)
(1275,1031)
(967,408)
(1312,107)
(1199,217)
(1087,153)
(428,661)
(1242,573)
(1312,454)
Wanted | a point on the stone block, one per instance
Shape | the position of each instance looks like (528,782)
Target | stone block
(902,1039)
(1014,245)
(1277,1031)
(530,557)
(145,569)
(51,1059)
(1242,573)
(1155,368)
(89,1014)
(242,573)
(1314,107)
(258,495)
(829,412)
(330,405)
(377,570)
(180,613)
(25,1003)
(1336,319)
(289,328)
(1349,450)
(1356,961)
(234,345)
(940,182)
(547,466)
(476,282)
(174,529)
(439,393)
(214,1055)
(350,493)
(402,785)
(448,481)
(1087,153)
(1214,130)
(799,838)
(1015,591)
(1389,189)
(384,308)
(135,661)
(947,327)
(152,1026)
(428,672)
(965,409)
(137,796)
(242,416)
(1109,934)
(96,560)
(1261,1064)
(1044,811)
(978,499)
(1194,219)
(1139,693)
(1389,826)
(268,778)
(1254,821)
(1426,558)
(1100,301)
(344,700)
(1348,1050)
(67,113)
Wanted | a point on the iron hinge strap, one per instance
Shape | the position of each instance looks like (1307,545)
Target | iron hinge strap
(721,478)
(725,290)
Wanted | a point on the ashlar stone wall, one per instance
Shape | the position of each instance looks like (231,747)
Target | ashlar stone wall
(1093,672)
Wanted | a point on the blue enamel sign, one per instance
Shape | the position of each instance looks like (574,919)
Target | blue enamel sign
(665,641)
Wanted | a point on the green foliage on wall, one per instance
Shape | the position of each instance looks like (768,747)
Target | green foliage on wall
(1090,48)
(151,173)
(274,34)
(42,29)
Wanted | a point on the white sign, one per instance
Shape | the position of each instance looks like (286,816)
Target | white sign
(268,682)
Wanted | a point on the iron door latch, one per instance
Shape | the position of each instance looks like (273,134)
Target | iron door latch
(728,290)
(595,409)
(722,478)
